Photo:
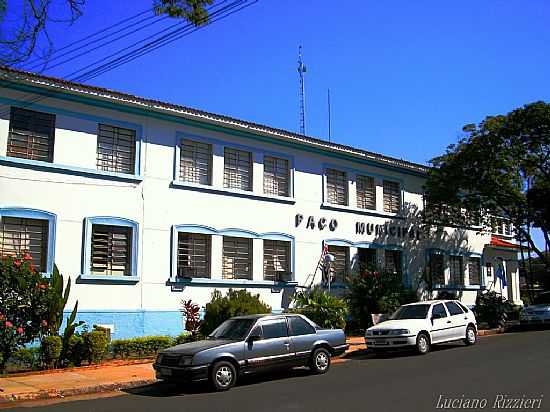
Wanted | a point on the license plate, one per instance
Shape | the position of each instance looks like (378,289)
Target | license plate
(165,371)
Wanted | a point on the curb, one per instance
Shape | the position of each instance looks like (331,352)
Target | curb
(54,393)
(490,332)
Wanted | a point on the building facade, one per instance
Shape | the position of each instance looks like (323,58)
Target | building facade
(144,204)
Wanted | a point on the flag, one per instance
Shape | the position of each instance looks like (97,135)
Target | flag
(501,274)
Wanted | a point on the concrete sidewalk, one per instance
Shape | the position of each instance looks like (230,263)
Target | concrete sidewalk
(85,380)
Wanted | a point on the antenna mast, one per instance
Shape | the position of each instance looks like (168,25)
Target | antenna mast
(301,71)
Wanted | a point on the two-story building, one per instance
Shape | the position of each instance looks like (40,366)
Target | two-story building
(145,203)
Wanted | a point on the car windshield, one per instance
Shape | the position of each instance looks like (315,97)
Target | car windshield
(411,312)
(233,329)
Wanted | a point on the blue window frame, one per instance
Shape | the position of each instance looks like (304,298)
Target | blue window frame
(50,219)
(104,232)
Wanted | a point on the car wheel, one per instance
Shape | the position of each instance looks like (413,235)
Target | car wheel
(320,361)
(471,336)
(422,343)
(223,375)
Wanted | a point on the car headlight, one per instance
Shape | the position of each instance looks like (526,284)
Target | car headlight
(399,332)
(185,360)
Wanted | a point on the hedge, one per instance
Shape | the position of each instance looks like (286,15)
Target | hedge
(141,346)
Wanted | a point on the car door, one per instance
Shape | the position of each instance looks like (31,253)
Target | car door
(459,320)
(441,323)
(272,349)
(302,337)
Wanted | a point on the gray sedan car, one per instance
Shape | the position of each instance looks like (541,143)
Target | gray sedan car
(252,343)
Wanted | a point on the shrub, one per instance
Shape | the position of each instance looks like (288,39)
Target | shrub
(325,310)
(23,308)
(51,349)
(76,350)
(186,337)
(141,346)
(235,303)
(190,312)
(372,292)
(96,344)
(491,308)
(27,358)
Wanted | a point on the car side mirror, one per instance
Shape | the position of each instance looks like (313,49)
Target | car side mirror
(254,337)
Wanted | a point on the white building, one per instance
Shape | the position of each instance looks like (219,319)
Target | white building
(144,203)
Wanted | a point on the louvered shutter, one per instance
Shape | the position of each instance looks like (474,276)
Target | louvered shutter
(457,274)
(276,260)
(116,149)
(237,173)
(194,255)
(340,264)
(31,135)
(111,250)
(366,192)
(392,197)
(196,162)
(337,187)
(237,258)
(19,236)
(474,271)
(276,176)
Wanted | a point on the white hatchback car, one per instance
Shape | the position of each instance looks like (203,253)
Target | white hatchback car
(538,313)
(423,324)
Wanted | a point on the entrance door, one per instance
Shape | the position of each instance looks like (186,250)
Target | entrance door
(367,259)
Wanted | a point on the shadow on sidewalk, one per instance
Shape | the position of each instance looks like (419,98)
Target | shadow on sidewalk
(170,389)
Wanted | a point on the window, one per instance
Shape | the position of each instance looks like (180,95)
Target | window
(196,162)
(453,308)
(366,192)
(393,261)
(337,187)
(392,197)
(437,268)
(116,149)
(474,271)
(367,258)
(111,250)
(237,170)
(31,135)
(237,258)
(456,273)
(274,329)
(21,235)
(507,229)
(193,255)
(276,176)
(277,260)
(439,311)
(340,264)
(298,326)
(489,270)
(464,308)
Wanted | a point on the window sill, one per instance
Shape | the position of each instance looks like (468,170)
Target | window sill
(231,192)
(106,279)
(359,211)
(66,169)
(458,287)
(232,283)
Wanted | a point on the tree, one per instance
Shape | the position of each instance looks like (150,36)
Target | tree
(499,171)
(24,24)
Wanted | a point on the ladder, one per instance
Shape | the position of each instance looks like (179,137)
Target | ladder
(311,277)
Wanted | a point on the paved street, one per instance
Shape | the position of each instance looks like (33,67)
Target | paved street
(515,364)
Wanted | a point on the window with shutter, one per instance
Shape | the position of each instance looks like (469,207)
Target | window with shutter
(193,255)
(277,260)
(237,258)
(474,271)
(437,268)
(276,176)
(237,171)
(456,271)
(341,262)
(111,250)
(366,192)
(31,135)
(196,162)
(116,149)
(393,261)
(392,197)
(337,187)
(19,236)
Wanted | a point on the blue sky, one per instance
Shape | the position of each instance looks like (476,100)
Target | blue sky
(404,76)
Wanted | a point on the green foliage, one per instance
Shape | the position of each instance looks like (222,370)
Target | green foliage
(186,337)
(27,358)
(24,305)
(76,350)
(141,346)
(325,310)
(191,314)
(69,331)
(96,344)
(51,349)
(235,303)
(490,308)
(193,11)
(57,299)
(372,292)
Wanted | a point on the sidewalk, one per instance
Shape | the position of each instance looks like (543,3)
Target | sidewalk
(85,380)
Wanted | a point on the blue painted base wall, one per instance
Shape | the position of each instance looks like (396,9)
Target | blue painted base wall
(131,324)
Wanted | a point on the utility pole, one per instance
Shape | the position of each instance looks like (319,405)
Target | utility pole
(328,101)
(301,71)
